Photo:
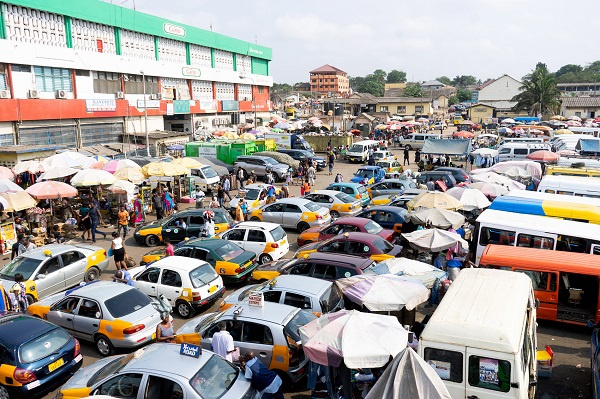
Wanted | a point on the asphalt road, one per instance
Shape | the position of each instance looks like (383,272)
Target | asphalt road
(571,344)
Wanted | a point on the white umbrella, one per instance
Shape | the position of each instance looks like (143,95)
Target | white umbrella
(574,118)
(31,166)
(17,201)
(495,178)
(472,198)
(507,120)
(516,173)
(7,186)
(437,217)
(485,152)
(58,172)
(434,240)
(71,159)
(403,267)
(92,177)
(489,189)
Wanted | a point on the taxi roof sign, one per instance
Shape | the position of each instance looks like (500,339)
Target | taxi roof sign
(256,299)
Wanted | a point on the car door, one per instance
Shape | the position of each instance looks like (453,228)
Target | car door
(62,313)
(86,321)
(331,231)
(170,285)
(256,241)
(357,248)
(324,271)
(298,300)
(147,281)
(234,327)
(291,215)
(117,386)
(160,387)
(50,277)
(195,226)
(273,213)
(257,338)
(336,247)
(174,232)
(74,264)
(205,255)
(378,189)
(237,236)
(300,269)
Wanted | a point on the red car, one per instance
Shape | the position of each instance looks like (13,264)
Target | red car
(344,225)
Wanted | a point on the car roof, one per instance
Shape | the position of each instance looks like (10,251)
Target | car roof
(356,221)
(256,185)
(271,312)
(369,167)
(258,225)
(181,263)
(358,261)
(101,290)
(387,208)
(358,236)
(210,243)
(294,200)
(38,253)
(254,156)
(394,180)
(16,329)
(450,168)
(345,184)
(329,192)
(305,284)
(185,212)
(165,357)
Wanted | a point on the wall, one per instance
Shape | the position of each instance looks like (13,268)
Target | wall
(504,88)
(583,112)
(478,113)
(136,124)
(410,108)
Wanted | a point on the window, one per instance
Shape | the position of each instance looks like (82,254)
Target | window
(301,269)
(256,236)
(162,388)
(261,90)
(187,252)
(235,235)
(447,364)
(81,72)
(3,84)
(106,82)
(127,302)
(578,114)
(50,266)
(43,345)
(278,234)
(383,108)
(274,208)
(257,334)
(520,151)
(196,220)
(325,272)
(67,305)
(299,301)
(71,257)
(335,229)
(122,386)
(334,246)
(20,68)
(386,217)
(540,280)
(493,374)
(134,84)
(272,296)
(531,241)
(50,79)
(215,378)
(572,244)
(491,235)
(418,108)
(150,275)
(89,309)
(358,248)
(345,272)
(291,208)
(171,278)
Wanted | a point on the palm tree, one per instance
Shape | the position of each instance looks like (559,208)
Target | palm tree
(539,93)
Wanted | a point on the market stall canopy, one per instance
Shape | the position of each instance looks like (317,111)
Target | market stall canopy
(121,187)
(557,118)
(70,159)
(562,131)
(6,173)
(447,146)
(508,120)
(485,152)
(18,201)
(532,167)
(409,376)
(489,189)
(495,178)
(434,240)
(117,164)
(411,269)
(32,166)
(58,173)
(188,163)
(92,177)
(133,174)
(360,340)
(7,186)
(516,173)
(543,156)
(383,292)
(588,146)
(164,169)
(436,217)
(470,197)
(488,136)
(434,199)
(51,190)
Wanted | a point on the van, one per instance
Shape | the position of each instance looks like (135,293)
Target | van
(206,178)
(506,140)
(567,171)
(416,140)
(519,151)
(359,151)
(570,185)
(481,340)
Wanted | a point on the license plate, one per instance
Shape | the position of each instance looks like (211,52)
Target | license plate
(283,242)
(55,365)
(212,289)
(153,335)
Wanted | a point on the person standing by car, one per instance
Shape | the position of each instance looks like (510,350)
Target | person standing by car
(123,276)
(265,381)
(26,246)
(222,342)
(331,161)
(19,292)
(118,250)
(240,178)
(226,187)
(138,209)
(239,212)
(406,154)
(164,331)
(417,155)
(15,247)
(169,250)
(220,195)
(209,224)
(158,205)
(123,218)
(310,174)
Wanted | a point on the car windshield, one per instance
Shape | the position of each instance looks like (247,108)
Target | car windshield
(292,328)
(44,345)
(215,378)
(223,217)
(111,368)
(271,161)
(312,206)
(363,172)
(202,275)
(361,189)
(372,227)
(252,193)
(383,245)
(345,198)
(278,233)
(208,172)
(330,298)
(210,319)
(257,287)
(127,302)
(228,251)
(22,264)
(356,148)
(378,155)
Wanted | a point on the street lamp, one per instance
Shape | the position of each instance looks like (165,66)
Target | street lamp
(253,96)
(145,113)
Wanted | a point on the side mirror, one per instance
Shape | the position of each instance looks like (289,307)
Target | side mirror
(40,276)
(590,323)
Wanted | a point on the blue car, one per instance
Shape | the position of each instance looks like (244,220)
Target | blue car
(37,356)
(355,190)
(389,217)
(373,174)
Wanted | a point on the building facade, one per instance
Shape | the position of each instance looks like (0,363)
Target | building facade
(579,89)
(75,73)
(583,107)
(405,106)
(499,93)
(329,80)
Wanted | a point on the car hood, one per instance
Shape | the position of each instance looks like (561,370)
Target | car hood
(151,224)
(311,246)
(83,375)
(386,234)
(190,326)
(356,179)
(314,229)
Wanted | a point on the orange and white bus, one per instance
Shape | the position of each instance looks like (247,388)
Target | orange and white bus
(566,283)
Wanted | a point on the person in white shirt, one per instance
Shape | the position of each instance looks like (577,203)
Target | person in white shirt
(209,223)
(222,342)
(26,246)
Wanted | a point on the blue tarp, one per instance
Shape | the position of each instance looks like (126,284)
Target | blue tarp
(588,146)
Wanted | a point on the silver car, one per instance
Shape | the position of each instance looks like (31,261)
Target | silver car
(295,213)
(339,204)
(261,166)
(390,186)
(112,315)
(161,371)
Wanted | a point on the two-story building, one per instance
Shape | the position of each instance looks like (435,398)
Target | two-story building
(499,93)
(405,106)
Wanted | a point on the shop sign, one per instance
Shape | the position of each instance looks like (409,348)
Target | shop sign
(208,105)
(231,105)
(149,104)
(101,105)
(181,106)
(170,109)
(174,29)
(189,71)
(255,51)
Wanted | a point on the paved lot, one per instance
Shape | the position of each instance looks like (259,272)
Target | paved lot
(571,376)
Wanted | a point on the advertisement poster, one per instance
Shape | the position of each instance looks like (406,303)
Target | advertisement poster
(488,371)
(441,368)
(8,236)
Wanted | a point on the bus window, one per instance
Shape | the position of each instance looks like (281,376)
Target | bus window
(531,241)
(572,244)
(539,280)
(490,235)
(595,249)
(550,191)
(564,192)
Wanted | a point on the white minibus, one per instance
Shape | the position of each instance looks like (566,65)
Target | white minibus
(519,151)
(359,151)
(570,185)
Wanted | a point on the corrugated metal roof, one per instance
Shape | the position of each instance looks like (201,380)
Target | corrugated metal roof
(581,102)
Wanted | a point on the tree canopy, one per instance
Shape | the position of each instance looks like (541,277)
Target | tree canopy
(413,90)
(463,81)
(573,73)
(396,76)
(374,83)
(445,80)
(540,94)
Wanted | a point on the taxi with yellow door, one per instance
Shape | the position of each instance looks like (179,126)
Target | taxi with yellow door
(112,315)
(181,225)
(270,330)
(229,260)
(295,213)
(354,243)
(339,204)
(54,268)
(255,196)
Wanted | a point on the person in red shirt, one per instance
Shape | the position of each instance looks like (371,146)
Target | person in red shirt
(169,250)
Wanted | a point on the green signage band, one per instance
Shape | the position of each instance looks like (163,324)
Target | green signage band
(68,30)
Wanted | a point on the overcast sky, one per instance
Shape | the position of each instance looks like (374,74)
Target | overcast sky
(426,38)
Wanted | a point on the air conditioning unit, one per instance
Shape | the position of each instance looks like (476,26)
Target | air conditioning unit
(155,96)
(4,94)
(61,94)
(33,93)
(120,95)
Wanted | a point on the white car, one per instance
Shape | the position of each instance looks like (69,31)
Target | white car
(339,204)
(187,283)
(383,155)
(267,240)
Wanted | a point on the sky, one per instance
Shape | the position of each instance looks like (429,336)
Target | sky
(426,39)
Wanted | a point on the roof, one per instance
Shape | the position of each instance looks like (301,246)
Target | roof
(327,69)
(21,149)
(423,100)
(484,309)
(366,116)
(359,236)
(339,258)
(102,290)
(500,104)
(446,146)
(17,329)
(293,200)
(433,83)
(353,220)
(258,225)
(328,192)
(272,312)
(160,134)
(482,105)
(388,208)
(368,167)
(581,102)
(345,184)
(179,263)
(301,283)
(38,253)
(210,243)
(578,84)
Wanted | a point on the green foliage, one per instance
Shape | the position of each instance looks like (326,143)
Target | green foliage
(378,75)
(396,76)
(540,94)
(279,91)
(453,100)
(445,80)
(572,73)
(413,90)
(464,81)
(463,95)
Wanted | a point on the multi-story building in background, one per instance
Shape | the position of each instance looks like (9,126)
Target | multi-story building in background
(73,73)
(329,80)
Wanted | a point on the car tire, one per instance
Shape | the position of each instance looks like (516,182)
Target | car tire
(93,273)
(103,345)
(264,258)
(152,240)
(4,394)
(334,214)
(30,300)
(255,219)
(184,309)
(303,226)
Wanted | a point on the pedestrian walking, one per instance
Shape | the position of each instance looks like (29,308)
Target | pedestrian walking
(158,205)
(222,342)
(220,195)
(239,212)
(417,155)
(95,218)
(240,177)
(311,174)
(406,154)
(199,197)
(331,162)
(118,250)
(138,211)
(123,221)
(227,187)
